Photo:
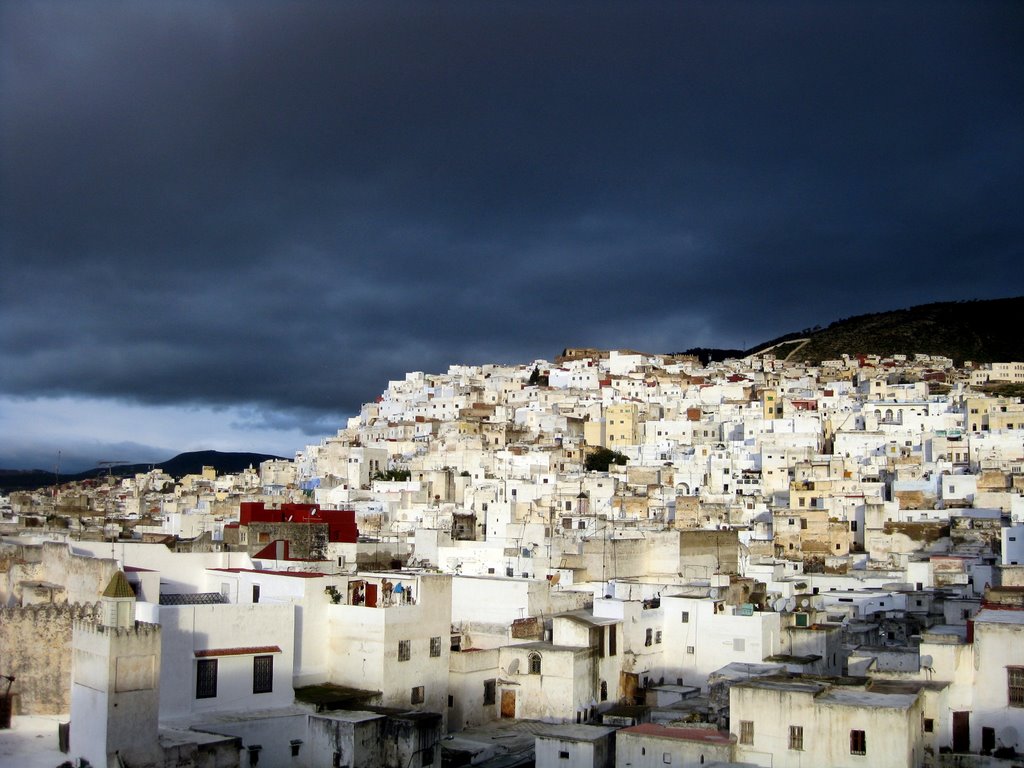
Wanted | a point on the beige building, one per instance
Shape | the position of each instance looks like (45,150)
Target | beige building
(620,427)
(785,721)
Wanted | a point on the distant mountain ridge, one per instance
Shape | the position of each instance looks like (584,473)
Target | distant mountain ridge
(979,331)
(183,464)
(982,331)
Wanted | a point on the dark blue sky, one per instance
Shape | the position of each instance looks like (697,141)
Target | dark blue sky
(245,217)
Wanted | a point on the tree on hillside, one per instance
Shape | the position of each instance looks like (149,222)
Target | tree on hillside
(392,475)
(600,459)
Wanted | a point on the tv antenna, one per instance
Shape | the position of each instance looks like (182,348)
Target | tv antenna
(109,464)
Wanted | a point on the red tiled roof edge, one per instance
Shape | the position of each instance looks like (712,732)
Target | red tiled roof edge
(253,650)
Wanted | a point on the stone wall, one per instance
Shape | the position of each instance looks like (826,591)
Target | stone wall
(718,551)
(305,540)
(83,577)
(35,647)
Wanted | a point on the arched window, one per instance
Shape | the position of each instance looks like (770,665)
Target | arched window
(534,659)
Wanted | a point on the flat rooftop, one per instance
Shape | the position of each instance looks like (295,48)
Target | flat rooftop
(999,616)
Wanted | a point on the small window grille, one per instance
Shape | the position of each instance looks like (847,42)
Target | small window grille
(206,679)
(858,743)
(746,731)
(796,737)
(262,674)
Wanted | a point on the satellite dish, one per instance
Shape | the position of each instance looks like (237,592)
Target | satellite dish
(926,661)
(779,605)
(790,604)
(713,593)
(804,603)
(1008,736)
(513,667)
(556,578)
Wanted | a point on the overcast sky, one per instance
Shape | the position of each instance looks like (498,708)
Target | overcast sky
(228,224)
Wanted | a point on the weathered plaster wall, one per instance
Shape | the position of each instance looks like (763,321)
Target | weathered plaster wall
(35,648)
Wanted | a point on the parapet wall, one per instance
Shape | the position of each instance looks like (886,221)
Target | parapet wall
(35,647)
(83,577)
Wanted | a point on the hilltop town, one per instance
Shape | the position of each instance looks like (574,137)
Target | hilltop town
(608,558)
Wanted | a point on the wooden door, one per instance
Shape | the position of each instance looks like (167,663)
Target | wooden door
(961,731)
(508,704)
(371,595)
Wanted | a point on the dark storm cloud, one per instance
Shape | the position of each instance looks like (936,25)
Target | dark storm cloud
(287,204)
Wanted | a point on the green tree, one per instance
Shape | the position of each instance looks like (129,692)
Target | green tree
(601,458)
(392,474)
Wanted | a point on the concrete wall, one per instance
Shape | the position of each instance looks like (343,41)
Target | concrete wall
(709,640)
(114,701)
(643,750)
(273,734)
(564,687)
(355,737)
(468,673)
(364,645)
(592,753)
(997,646)
(191,628)
(892,733)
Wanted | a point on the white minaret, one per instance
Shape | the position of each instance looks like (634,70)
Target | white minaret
(115,684)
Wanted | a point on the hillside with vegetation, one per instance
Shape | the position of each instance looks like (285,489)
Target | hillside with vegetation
(979,331)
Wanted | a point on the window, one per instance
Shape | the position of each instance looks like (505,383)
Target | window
(255,593)
(858,743)
(1015,686)
(451,701)
(928,724)
(262,674)
(796,737)
(746,731)
(489,691)
(404,650)
(417,695)
(686,617)
(666,758)
(435,646)
(604,690)
(534,661)
(657,637)
(613,641)
(739,644)
(649,637)
(206,679)
(563,755)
